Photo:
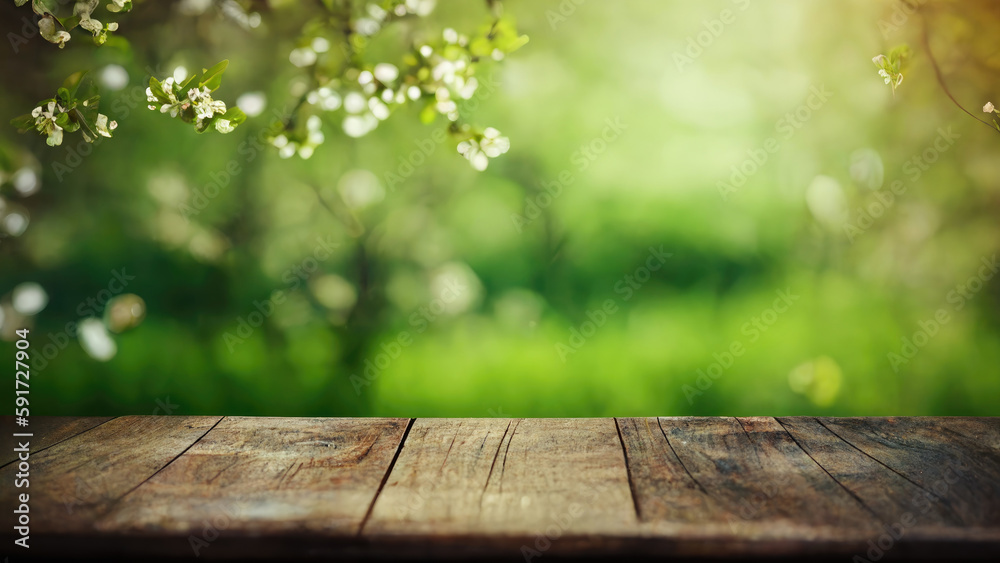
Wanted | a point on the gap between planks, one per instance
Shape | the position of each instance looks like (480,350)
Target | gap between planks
(385,477)
(84,431)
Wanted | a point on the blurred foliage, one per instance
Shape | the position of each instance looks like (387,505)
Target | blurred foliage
(385,276)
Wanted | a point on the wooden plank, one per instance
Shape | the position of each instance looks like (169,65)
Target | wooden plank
(75,481)
(955,461)
(720,487)
(544,484)
(47,430)
(266,476)
(895,499)
(790,488)
(663,489)
(746,473)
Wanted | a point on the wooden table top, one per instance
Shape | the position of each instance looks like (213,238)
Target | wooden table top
(670,488)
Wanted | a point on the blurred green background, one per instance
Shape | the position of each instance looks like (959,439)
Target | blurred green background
(463,288)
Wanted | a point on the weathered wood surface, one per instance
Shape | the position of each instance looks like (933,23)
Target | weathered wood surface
(664,488)
(48,431)
(76,481)
(268,476)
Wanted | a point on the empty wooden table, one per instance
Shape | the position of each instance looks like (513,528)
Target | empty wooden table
(861,489)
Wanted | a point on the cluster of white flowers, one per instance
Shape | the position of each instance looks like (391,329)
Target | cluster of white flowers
(199,99)
(443,69)
(119,6)
(45,122)
(314,137)
(326,98)
(451,78)
(373,103)
(891,78)
(480,149)
(207,108)
(104,125)
(377,15)
(46,118)
(367,101)
(308,55)
(174,106)
(98,29)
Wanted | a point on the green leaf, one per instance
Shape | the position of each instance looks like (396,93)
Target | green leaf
(42,7)
(157,89)
(212,77)
(23,122)
(70,22)
(72,82)
(188,83)
(235,116)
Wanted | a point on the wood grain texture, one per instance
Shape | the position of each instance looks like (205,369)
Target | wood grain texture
(954,461)
(747,473)
(47,430)
(267,476)
(890,494)
(520,482)
(76,481)
(383,489)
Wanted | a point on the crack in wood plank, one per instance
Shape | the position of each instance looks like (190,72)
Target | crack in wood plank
(385,478)
(492,465)
(40,450)
(130,491)
(679,460)
(849,491)
(503,466)
(756,454)
(878,461)
(450,446)
(628,473)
